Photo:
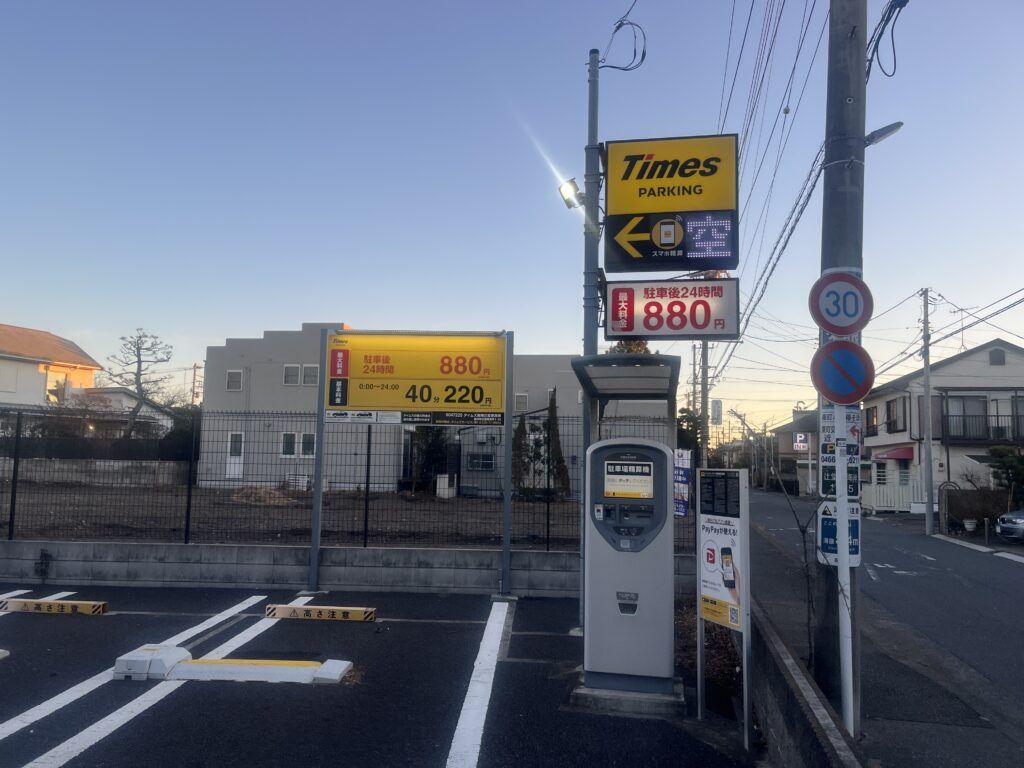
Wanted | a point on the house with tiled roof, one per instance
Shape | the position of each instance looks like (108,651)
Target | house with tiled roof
(38,368)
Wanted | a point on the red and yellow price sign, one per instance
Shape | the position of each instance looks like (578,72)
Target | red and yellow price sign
(427,378)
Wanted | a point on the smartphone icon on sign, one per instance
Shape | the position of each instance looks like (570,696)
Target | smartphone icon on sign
(728,574)
(666,233)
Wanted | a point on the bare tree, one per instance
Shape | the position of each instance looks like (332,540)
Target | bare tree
(132,367)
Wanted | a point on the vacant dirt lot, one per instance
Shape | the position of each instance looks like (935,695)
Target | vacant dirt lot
(271,516)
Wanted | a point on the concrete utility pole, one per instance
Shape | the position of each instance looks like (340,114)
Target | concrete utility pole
(842,240)
(693,397)
(926,417)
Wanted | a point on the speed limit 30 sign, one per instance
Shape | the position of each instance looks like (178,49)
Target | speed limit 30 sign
(673,309)
(841,303)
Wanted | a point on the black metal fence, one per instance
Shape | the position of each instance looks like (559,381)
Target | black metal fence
(219,477)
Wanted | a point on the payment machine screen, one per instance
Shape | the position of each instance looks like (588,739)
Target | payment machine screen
(629,480)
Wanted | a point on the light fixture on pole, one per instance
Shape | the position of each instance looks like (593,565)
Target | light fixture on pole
(571,195)
(882,133)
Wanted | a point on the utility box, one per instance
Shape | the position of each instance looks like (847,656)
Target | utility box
(628,570)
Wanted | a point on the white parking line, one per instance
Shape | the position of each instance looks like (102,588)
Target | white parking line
(1010,556)
(75,692)
(15,593)
(54,596)
(465,749)
(98,731)
(969,545)
(871,573)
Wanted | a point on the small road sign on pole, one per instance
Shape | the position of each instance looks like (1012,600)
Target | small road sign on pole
(842,372)
(841,303)
(828,533)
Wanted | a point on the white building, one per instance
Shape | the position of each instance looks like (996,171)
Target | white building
(977,402)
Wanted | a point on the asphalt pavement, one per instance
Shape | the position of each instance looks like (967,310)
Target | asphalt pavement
(405,703)
(940,625)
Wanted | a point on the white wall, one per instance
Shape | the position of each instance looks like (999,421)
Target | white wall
(22,383)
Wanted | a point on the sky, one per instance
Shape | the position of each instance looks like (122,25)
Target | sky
(207,170)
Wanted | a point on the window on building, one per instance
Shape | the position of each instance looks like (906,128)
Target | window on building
(310,375)
(288,444)
(903,467)
(235,440)
(291,375)
(968,416)
(880,476)
(871,421)
(234,381)
(896,415)
(56,387)
(481,462)
(308,444)
(997,357)
(522,401)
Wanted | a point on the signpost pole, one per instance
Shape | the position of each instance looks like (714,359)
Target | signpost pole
(704,404)
(843,572)
(318,466)
(745,593)
(506,516)
(591,243)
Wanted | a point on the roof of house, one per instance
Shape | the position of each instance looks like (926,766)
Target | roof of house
(42,347)
(902,381)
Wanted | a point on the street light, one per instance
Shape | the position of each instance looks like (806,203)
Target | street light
(882,133)
(570,192)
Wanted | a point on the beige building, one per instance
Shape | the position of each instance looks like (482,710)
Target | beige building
(38,368)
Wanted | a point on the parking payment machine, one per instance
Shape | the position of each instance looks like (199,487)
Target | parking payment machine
(628,570)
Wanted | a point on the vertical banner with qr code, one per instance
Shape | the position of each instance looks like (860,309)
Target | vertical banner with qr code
(722,546)
(681,484)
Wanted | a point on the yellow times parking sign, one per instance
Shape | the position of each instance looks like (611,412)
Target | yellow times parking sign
(416,378)
(670,175)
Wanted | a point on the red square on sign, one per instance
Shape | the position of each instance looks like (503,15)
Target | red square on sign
(621,310)
(339,362)
(709,555)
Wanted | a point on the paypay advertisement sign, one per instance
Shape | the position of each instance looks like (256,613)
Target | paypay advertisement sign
(722,547)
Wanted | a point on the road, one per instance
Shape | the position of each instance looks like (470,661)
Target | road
(940,622)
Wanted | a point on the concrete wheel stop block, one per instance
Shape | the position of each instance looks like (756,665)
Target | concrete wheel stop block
(609,701)
(150,662)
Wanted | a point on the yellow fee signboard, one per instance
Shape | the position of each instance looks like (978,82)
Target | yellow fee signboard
(416,378)
(670,175)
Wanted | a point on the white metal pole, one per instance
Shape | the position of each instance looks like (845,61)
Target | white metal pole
(843,572)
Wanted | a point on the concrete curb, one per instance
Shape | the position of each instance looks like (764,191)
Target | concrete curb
(798,724)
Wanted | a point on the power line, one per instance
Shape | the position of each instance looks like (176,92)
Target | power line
(725,70)
(736,71)
(967,311)
(954,333)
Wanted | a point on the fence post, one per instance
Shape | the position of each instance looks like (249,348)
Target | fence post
(14,476)
(191,481)
(547,492)
(366,485)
